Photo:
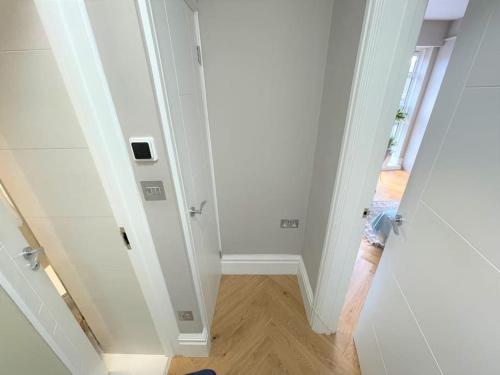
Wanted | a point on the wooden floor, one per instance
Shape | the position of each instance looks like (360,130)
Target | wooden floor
(361,280)
(391,185)
(260,326)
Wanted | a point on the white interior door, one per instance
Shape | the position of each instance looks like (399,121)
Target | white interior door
(185,90)
(39,300)
(196,166)
(434,304)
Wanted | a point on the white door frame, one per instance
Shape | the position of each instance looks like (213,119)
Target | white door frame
(388,39)
(72,41)
(159,74)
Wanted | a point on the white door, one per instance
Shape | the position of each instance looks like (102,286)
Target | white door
(39,300)
(196,166)
(205,224)
(181,62)
(435,302)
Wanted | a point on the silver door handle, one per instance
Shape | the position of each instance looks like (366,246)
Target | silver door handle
(396,223)
(193,211)
(31,255)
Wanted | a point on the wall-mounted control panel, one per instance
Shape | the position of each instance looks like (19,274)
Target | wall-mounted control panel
(143,148)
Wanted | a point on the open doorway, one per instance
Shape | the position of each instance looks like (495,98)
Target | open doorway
(427,67)
(42,261)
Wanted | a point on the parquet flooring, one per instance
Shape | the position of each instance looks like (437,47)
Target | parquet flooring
(391,185)
(260,327)
(361,280)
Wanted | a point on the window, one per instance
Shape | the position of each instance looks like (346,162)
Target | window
(419,64)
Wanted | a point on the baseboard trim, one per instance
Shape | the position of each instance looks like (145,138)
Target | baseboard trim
(167,365)
(318,325)
(305,289)
(193,344)
(314,319)
(136,364)
(274,264)
(260,264)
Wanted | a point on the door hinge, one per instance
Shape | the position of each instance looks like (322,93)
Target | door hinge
(124,236)
(220,254)
(366,212)
(198,53)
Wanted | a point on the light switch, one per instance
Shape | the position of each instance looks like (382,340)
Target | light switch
(153,190)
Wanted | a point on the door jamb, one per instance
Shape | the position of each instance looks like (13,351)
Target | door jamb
(388,39)
(72,41)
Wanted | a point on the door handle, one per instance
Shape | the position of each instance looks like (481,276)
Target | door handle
(31,255)
(193,211)
(396,223)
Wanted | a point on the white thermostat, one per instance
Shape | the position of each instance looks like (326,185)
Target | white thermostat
(143,148)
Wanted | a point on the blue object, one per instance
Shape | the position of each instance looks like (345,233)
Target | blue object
(382,224)
(203,372)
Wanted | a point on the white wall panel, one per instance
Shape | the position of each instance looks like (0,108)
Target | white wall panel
(35,110)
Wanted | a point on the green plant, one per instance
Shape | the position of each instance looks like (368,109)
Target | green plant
(392,142)
(400,115)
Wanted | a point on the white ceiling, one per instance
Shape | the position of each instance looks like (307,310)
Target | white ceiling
(445,9)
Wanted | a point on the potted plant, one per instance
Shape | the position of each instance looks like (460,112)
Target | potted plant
(400,117)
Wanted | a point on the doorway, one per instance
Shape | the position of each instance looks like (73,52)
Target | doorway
(390,189)
(42,262)
(427,67)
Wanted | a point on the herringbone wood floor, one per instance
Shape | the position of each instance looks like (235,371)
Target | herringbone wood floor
(260,327)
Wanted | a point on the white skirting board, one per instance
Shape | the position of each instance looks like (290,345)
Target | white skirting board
(272,264)
(260,264)
(193,344)
(136,364)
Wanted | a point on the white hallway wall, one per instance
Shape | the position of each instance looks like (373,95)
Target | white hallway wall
(47,168)
(347,20)
(264,64)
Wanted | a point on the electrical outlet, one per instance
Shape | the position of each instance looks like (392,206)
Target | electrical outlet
(185,315)
(289,223)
